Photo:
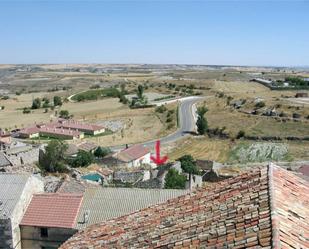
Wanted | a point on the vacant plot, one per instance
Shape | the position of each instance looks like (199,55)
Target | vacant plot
(224,150)
(202,148)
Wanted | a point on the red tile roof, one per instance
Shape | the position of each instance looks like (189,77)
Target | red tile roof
(59,131)
(30,130)
(132,153)
(52,210)
(290,212)
(247,211)
(79,126)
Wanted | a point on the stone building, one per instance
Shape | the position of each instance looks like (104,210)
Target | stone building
(49,220)
(16,191)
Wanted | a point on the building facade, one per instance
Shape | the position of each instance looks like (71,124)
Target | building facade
(16,191)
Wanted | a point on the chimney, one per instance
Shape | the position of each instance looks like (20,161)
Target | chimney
(86,216)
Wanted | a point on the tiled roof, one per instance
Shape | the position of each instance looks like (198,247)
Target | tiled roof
(59,131)
(52,210)
(132,153)
(72,124)
(290,212)
(87,146)
(30,130)
(108,203)
(235,213)
(11,188)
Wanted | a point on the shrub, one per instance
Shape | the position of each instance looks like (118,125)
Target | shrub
(161,109)
(174,180)
(26,110)
(260,104)
(169,119)
(57,101)
(296,115)
(101,152)
(64,114)
(240,134)
(188,164)
(201,123)
(36,103)
(95,86)
(83,159)
(170,126)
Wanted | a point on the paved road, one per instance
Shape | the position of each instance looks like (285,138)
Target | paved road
(187,120)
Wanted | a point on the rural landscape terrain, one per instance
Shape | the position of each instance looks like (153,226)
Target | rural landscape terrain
(105,141)
(241,112)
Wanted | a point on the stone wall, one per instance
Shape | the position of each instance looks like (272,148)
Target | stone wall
(31,237)
(5,234)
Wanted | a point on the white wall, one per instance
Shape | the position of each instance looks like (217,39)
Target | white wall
(140,161)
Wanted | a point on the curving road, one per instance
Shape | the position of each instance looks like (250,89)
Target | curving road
(187,120)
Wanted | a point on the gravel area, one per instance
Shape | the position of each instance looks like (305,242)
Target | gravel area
(113,125)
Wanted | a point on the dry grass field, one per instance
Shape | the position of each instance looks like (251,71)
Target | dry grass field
(202,148)
(140,124)
(219,150)
(145,124)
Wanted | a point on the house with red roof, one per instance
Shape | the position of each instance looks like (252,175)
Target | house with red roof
(134,156)
(62,129)
(49,220)
(266,207)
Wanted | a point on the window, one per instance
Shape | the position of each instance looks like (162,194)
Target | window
(44,232)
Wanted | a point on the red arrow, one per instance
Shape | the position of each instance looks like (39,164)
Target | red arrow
(158,160)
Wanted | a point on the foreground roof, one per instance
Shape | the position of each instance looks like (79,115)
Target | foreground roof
(132,153)
(248,211)
(11,189)
(52,210)
(102,204)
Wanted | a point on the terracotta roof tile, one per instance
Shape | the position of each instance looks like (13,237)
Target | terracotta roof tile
(132,153)
(52,210)
(263,208)
(290,209)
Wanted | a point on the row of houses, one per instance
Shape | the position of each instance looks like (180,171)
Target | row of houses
(61,129)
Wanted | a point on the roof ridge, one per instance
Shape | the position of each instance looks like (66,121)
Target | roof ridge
(59,194)
(273,213)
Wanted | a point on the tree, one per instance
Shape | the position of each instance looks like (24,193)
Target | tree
(57,101)
(53,158)
(188,164)
(101,152)
(140,92)
(174,180)
(201,123)
(36,103)
(64,114)
(83,159)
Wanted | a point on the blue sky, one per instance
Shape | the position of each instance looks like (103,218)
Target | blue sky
(187,32)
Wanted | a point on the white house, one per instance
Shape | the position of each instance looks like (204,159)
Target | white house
(134,156)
